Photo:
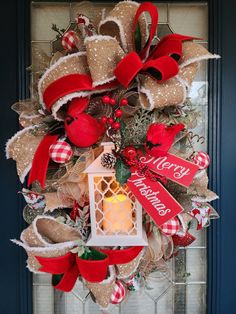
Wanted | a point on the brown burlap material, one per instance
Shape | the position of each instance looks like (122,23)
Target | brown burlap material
(53,201)
(173,91)
(159,247)
(72,64)
(103,54)
(73,185)
(158,95)
(120,23)
(28,112)
(199,189)
(102,291)
(22,146)
(47,237)
(126,270)
(188,73)
(193,52)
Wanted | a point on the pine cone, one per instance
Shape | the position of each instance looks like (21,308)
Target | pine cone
(108,160)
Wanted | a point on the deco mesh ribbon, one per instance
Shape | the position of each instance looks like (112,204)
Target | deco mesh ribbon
(114,58)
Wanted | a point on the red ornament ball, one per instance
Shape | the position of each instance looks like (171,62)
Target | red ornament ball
(118,113)
(124,102)
(118,293)
(60,152)
(110,120)
(104,119)
(116,125)
(106,99)
(130,152)
(112,101)
(201,159)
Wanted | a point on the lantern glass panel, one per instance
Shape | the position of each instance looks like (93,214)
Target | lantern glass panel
(115,207)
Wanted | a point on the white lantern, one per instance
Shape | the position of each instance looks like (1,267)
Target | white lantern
(115,213)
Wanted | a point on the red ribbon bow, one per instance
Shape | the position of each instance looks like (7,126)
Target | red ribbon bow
(71,266)
(162,61)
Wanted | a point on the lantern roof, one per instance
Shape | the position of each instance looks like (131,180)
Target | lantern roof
(96,166)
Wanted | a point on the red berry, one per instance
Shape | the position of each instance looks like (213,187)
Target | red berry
(130,152)
(106,99)
(118,113)
(110,120)
(116,125)
(104,119)
(112,101)
(124,102)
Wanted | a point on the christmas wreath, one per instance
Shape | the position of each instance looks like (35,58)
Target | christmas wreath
(114,182)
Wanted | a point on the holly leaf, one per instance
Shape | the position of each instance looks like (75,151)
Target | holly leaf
(94,255)
(123,172)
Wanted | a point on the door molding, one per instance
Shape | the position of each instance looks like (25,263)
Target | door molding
(214,149)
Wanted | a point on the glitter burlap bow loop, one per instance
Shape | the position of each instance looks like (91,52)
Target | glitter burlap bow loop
(159,84)
(46,237)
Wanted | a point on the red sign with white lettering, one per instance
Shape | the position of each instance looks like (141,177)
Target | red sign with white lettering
(172,167)
(154,198)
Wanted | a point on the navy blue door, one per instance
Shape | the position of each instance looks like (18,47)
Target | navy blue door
(15,280)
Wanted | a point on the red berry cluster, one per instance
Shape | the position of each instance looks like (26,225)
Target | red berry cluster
(117,114)
(130,154)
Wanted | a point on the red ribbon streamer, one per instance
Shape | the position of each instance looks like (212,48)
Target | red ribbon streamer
(153,12)
(41,160)
(71,266)
(69,84)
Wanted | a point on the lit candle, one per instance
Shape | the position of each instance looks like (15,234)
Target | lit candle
(117,214)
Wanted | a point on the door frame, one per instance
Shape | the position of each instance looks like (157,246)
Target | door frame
(221,291)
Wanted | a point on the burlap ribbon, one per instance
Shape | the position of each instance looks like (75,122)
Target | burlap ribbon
(85,73)
(46,237)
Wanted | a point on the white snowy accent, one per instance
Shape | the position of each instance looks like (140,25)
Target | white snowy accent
(63,100)
(39,236)
(14,137)
(103,13)
(33,270)
(200,174)
(204,199)
(121,29)
(108,80)
(52,67)
(148,94)
(25,172)
(57,246)
(28,117)
(98,38)
(198,59)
